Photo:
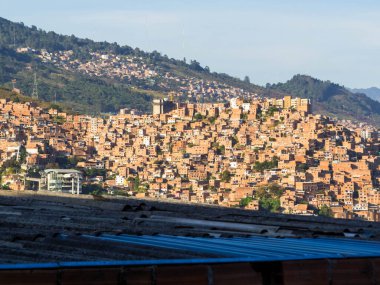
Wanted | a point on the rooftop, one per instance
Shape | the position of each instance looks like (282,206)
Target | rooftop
(50,228)
(62,170)
(59,232)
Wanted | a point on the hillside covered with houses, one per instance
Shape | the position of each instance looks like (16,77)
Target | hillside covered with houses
(258,153)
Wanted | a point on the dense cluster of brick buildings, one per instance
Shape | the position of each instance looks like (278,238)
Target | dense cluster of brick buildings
(212,153)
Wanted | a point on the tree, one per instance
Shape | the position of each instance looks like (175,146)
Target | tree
(33,172)
(269,197)
(56,107)
(245,201)
(198,117)
(302,167)
(195,65)
(244,116)
(93,189)
(66,162)
(261,166)
(22,154)
(58,120)
(225,176)
(270,204)
(220,150)
(212,120)
(136,183)
(10,166)
(93,172)
(5,187)
(272,110)
(325,211)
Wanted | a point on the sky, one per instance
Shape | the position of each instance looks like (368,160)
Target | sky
(267,40)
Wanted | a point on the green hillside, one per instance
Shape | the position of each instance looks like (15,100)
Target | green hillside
(79,92)
(88,93)
(15,97)
(39,39)
(332,99)
(93,94)
(372,92)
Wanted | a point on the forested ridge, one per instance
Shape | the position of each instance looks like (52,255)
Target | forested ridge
(83,93)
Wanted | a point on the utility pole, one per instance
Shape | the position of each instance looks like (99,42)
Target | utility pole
(35,87)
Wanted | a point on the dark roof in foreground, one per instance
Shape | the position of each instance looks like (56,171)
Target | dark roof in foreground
(48,239)
(39,228)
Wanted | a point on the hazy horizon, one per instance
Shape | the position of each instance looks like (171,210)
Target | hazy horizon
(269,41)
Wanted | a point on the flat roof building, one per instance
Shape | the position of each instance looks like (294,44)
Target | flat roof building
(62,180)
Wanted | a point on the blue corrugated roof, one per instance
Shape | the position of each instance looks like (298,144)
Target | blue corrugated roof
(257,248)
(250,249)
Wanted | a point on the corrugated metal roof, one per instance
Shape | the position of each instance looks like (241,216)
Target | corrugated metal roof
(40,229)
(256,248)
(223,250)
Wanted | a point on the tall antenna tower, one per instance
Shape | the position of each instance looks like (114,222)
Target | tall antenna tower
(14,84)
(35,87)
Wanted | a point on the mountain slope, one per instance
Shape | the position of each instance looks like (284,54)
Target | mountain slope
(127,77)
(78,92)
(18,35)
(15,97)
(372,92)
(89,92)
(332,99)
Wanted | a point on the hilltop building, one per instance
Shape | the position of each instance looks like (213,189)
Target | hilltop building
(163,106)
(299,104)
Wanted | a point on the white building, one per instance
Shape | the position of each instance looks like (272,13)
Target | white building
(62,180)
(120,180)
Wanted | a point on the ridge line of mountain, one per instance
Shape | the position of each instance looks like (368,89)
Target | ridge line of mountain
(94,92)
